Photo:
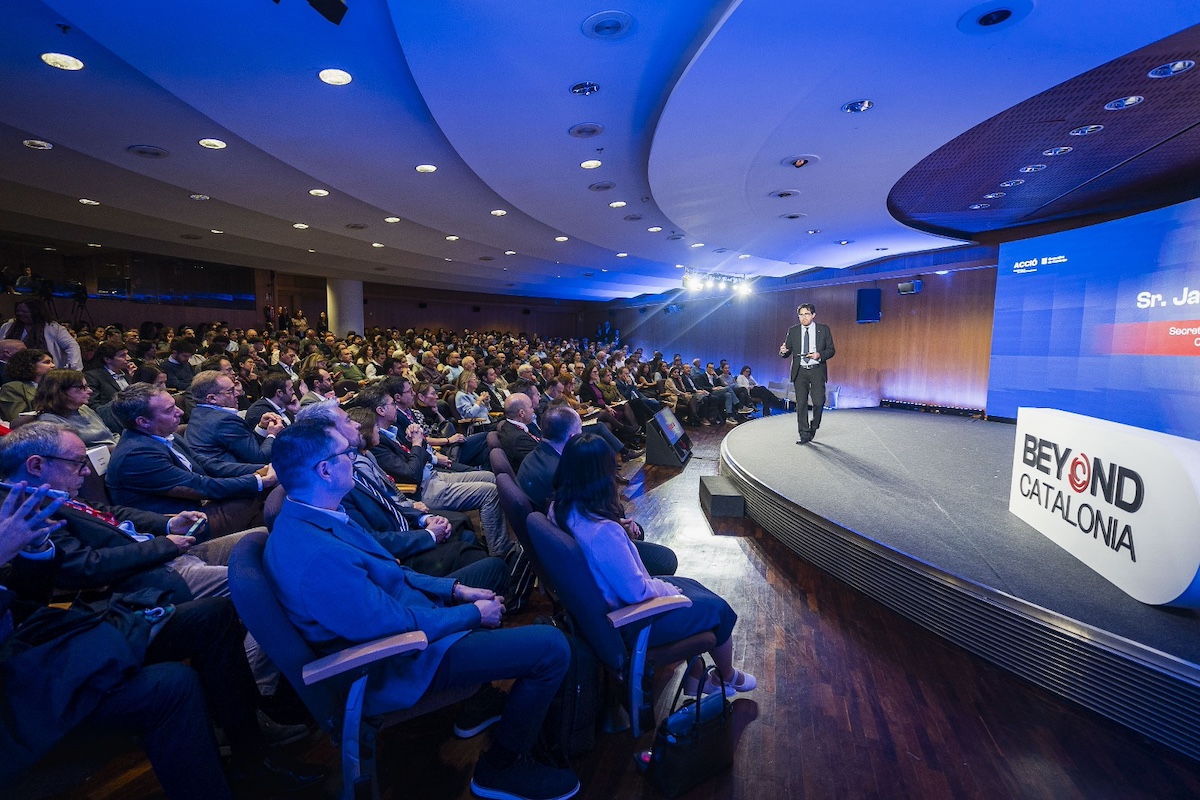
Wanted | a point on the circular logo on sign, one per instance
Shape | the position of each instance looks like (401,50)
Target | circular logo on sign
(1080,475)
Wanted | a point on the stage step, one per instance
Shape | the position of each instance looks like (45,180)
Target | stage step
(720,498)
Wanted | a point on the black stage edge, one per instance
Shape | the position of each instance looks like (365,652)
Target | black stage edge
(912,510)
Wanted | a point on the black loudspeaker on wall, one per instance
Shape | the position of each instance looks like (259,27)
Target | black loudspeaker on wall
(909,287)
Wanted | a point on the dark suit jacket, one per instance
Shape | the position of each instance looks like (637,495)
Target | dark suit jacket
(262,406)
(104,388)
(277,369)
(823,345)
(15,398)
(515,442)
(145,474)
(404,464)
(95,554)
(179,376)
(536,475)
(217,435)
(338,585)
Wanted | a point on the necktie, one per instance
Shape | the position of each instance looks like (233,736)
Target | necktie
(381,495)
(804,351)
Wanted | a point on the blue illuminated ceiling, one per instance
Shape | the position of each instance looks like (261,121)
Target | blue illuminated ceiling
(700,107)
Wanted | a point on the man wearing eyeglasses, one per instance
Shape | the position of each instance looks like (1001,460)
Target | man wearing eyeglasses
(810,344)
(215,432)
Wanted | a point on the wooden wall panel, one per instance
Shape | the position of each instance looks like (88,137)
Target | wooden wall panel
(400,306)
(931,347)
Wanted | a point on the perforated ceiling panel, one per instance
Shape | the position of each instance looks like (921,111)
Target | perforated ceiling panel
(1147,155)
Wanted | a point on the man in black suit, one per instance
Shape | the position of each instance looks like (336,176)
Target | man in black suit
(810,344)
(288,364)
(517,440)
(111,377)
(277,392)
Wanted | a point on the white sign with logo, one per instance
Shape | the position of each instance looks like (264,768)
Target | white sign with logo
(1123,500)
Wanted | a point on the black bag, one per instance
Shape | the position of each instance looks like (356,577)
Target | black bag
(60,664)
(694,742)
(569,729)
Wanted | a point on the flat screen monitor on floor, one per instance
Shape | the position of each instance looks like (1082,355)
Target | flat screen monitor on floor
(1103,321)
(667,443)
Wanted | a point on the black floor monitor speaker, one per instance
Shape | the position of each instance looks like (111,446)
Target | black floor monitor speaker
(667,445)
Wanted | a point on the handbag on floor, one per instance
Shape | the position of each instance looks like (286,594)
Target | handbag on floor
(694,742)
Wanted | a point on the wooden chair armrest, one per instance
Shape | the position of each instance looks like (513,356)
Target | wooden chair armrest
(360,654)
(637,612)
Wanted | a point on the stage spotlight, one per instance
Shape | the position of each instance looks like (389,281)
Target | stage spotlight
(722,285)
(743,288)
(709,283)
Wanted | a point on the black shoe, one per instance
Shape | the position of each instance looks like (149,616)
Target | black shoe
(481,711)
(629,454)
(524,779)
(812,434)
(622,480)
(278,735)
(805,437)
(275,776)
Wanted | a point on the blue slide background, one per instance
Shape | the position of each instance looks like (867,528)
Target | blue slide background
(1046,321)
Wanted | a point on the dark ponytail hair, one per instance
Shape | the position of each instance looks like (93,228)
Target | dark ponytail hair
(586,481)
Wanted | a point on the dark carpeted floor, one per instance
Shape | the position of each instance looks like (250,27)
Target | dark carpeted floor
(936,488)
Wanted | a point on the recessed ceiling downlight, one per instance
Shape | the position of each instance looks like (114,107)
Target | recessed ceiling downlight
(586,130)
(1014,182)
(994,195)
(62,61)
(319,192)
(744,255)
(858,106)
(591,163)
(607,26)
(37,144)
(584,88)
(92,244)
(1086,130)
(426,168)
(602,186)
(1165,71)
(1123,102)
(560,238)
(1057,151)
(335,77)
(498,212)
(979,206)
(654,228)
(622,255)
(87,202)
(212,144)
(1032,168)
(147,151)
(391,219)
(199,197)
(510,252)
(617,204)
(300,226)
(993,16)
(216,230)
(452,238)
(377,244)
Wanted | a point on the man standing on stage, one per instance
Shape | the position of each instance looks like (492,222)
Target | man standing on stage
(810,344)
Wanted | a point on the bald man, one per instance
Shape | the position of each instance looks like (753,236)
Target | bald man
(516,439)
(7,348)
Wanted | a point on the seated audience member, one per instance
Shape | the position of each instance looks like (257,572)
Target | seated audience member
(428,373)
(536,477)
(749,390)
(25,371)
(556,395)
(121,549)
(720,397)
(248,380)
(215,432)
(516,438)
(288,363)
(154,470)
(178,366)
(421,538)
(111,376)
(466,452)
(644,406)
(7,348)
(320,386)
(404,456)
(345,369)
(278,393)
(339,586)
(158,697)
(471,405)
(587,506)
(62,397)
(680,386)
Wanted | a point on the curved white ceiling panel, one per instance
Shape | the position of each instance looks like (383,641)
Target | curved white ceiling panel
(770,84)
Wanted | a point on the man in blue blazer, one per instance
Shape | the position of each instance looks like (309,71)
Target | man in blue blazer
(810,344)
(215,432)
(154,470)
(339,586)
